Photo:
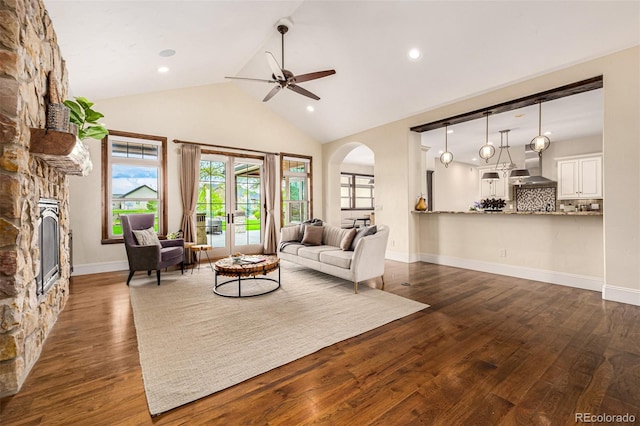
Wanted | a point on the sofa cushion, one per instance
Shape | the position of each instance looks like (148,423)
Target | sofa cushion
(333,235)
(290,233)
(363,232)
(339,258)
(312,235)
(313,252)
(291,248)
(345,243)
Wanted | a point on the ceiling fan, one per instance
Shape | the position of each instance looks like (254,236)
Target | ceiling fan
(285,78)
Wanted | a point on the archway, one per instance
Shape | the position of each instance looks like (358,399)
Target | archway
(357,161)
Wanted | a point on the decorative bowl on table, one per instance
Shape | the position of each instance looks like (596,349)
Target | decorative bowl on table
(236,257)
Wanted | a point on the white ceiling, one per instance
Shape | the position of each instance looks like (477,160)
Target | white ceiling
(111,49)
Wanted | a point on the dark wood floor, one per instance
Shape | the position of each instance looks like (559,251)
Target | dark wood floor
(490,350)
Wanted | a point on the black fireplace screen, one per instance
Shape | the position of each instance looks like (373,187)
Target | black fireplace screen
(49,244)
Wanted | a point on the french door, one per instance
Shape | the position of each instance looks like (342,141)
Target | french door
(229,214)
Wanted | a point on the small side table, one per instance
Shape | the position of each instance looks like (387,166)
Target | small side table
(197,248)
(188,258)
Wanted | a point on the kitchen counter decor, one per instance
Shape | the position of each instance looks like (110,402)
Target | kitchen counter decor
(492,205)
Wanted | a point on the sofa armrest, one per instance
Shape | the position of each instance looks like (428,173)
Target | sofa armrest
(178,242)
(369,254)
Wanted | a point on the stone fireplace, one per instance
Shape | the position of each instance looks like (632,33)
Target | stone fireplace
(48,246)
(34,278)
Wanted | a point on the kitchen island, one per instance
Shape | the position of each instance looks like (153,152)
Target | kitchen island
(556,247)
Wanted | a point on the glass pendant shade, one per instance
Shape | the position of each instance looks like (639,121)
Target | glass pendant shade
(446,157)
(540,142)
(486,151)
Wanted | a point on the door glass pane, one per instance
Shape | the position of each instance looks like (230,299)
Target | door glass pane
(211,211)
(248,207)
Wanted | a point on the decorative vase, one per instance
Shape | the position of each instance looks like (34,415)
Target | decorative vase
(421,205)
(57,117)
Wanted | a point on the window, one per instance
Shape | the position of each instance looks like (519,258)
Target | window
(356,192)
(295,174)
(133,180)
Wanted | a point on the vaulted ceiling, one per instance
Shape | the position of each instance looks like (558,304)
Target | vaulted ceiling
(112,49)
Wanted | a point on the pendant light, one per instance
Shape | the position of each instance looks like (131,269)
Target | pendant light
(540,142)
(504,167)
(487,151)
(446,157)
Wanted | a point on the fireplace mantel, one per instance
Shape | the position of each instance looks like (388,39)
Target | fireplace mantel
(61,150)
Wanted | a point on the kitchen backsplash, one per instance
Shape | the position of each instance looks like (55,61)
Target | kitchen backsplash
(535,199)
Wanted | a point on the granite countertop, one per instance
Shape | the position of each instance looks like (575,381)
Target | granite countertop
(512,212)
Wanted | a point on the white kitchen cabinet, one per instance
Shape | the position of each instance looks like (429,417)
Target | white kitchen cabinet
(496,188)
(580,177)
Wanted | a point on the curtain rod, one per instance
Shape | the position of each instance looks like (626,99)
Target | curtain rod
(225,147)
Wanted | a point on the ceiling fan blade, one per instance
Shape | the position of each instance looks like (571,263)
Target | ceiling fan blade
(303,92)
(275,67)
(313,75)
(272,93)
(252,79)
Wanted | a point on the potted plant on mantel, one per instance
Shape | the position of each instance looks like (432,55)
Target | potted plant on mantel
(82,115)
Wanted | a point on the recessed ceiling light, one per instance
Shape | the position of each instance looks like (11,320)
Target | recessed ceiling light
(547,133)
(310,108)
(163,70)
(449,131)
(414,54)
(167,52)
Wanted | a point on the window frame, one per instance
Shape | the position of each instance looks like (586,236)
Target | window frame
(352,192)
(303,158)
(107,238)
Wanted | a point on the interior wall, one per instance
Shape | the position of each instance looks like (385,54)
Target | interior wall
(456,187)
(220,114)
(621,75)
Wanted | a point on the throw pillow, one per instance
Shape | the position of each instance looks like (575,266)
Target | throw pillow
(345,244)
(363,232)
(312,235)
(291,233)
(310,222)
(146,237)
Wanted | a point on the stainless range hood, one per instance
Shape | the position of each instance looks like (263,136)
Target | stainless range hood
(533,163)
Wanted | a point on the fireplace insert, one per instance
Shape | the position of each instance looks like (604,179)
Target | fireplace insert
(49,245)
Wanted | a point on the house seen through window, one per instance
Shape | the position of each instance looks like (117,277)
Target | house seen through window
(133,180)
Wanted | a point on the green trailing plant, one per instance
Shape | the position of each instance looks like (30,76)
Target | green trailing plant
(82,115)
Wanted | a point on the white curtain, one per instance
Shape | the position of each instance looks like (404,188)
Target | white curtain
(270,237)
(189,180)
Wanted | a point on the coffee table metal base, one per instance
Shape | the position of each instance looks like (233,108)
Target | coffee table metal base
(239,281)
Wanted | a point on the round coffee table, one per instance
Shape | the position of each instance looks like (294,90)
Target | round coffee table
(249,267)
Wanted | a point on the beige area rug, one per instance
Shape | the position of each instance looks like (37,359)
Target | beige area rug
(193,343)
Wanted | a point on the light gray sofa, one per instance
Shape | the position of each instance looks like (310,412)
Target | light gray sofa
(365,261)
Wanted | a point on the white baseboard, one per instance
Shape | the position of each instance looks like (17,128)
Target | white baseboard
(621,294)
(402,257)
(562,278)
(96,268)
